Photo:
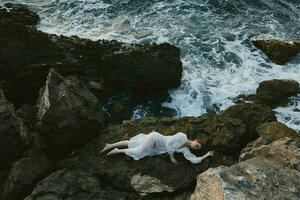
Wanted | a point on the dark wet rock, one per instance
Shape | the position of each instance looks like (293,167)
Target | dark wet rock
(11,143)
(256,178)
(252,115)
(275,92)
(76,184)
(25,173)
(19,13)
(279,51)
(27,54)
(24,86)
(68,113)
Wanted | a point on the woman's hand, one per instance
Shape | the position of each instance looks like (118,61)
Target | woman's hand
(173,160)
(211,153)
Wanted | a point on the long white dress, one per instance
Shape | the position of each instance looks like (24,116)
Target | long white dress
(154,143)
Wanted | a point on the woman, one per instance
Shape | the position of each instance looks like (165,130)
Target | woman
(154,143)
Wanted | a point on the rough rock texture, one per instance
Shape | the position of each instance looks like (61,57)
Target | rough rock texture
(278,51)
(27,54)
(145,184)
(271,131)
(68,113)
(277,142)
(285,150)
(11,144)
(25,173)
(19,13)
(252,115)
(120,173)
(275,92)
(75,184)
(258,178)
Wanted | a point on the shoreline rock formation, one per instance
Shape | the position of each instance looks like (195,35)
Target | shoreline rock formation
(50,147)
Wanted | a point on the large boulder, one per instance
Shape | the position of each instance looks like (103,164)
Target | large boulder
(19,13)
(252,115)
(284,151)
(279,51)
(27,54)
(153,176)
(271,131)
(277,142)
(275,92)
(76,184)
(11,143)
(68,113)
(256,178)
(25,173)
(224,134)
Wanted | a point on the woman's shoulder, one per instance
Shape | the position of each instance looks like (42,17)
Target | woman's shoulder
(181,135)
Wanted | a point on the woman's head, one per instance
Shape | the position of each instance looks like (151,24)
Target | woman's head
(196,144)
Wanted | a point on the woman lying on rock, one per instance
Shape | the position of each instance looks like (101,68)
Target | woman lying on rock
(154,143)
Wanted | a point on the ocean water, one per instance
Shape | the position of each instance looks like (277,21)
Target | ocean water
(214,37)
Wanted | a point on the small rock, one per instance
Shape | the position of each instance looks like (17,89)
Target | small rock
(145,184)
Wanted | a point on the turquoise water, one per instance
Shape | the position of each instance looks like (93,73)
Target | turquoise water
(218,58)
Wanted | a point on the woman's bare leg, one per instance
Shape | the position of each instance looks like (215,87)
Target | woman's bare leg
(116,151)
(108,146)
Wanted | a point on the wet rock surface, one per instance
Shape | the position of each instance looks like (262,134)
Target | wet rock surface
(279,51)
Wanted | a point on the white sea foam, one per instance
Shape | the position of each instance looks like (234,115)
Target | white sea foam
(218,58)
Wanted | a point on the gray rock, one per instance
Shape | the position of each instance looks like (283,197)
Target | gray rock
(68,114)
(255,179)
(145,184)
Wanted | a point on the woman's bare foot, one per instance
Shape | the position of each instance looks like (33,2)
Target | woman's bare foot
(112,152)
(107,146)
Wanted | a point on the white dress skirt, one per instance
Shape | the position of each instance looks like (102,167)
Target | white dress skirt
(155,143)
